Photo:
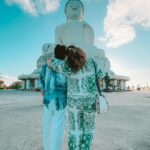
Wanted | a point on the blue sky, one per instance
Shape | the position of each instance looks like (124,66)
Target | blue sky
(122,29)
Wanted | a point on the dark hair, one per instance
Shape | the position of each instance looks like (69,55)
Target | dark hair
(73,0)
(76,58)
(60,52)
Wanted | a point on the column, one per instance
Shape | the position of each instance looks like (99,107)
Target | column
(104,85)
(36,84)
(122,85)
(28,84)
(23,84)
(114,85)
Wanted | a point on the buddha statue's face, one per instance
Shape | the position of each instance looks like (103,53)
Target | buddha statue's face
(74,10)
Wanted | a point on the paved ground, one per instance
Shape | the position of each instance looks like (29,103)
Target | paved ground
(126,127)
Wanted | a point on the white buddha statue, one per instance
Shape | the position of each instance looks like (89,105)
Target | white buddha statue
(76,31)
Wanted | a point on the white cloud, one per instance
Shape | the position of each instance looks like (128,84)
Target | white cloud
(137,75)
(25,5)
(35,7)
(140,77)
(8,80)
(121,19)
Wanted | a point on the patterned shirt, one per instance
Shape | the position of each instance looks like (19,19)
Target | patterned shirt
(82,84)
(54,85)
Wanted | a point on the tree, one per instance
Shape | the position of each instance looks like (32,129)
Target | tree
(15,85)
(2,85)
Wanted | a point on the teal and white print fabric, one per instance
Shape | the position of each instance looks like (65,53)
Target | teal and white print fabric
(82,83)
(81,96)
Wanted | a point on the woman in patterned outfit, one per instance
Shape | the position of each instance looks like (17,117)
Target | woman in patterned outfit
(81,95)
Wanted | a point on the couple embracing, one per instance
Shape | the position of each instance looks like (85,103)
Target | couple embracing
(68,83)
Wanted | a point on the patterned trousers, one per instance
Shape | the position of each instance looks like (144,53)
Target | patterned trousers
(81,127)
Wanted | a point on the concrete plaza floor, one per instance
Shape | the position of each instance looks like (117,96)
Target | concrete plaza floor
(125,127)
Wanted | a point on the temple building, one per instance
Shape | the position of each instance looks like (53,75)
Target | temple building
(31,81)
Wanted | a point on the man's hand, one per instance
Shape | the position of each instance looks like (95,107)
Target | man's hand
(46,103)
(49,63)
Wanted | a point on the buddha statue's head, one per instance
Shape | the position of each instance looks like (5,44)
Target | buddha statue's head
(74,10)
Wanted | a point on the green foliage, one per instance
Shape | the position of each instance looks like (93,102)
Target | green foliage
(15,85)
(2,85)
